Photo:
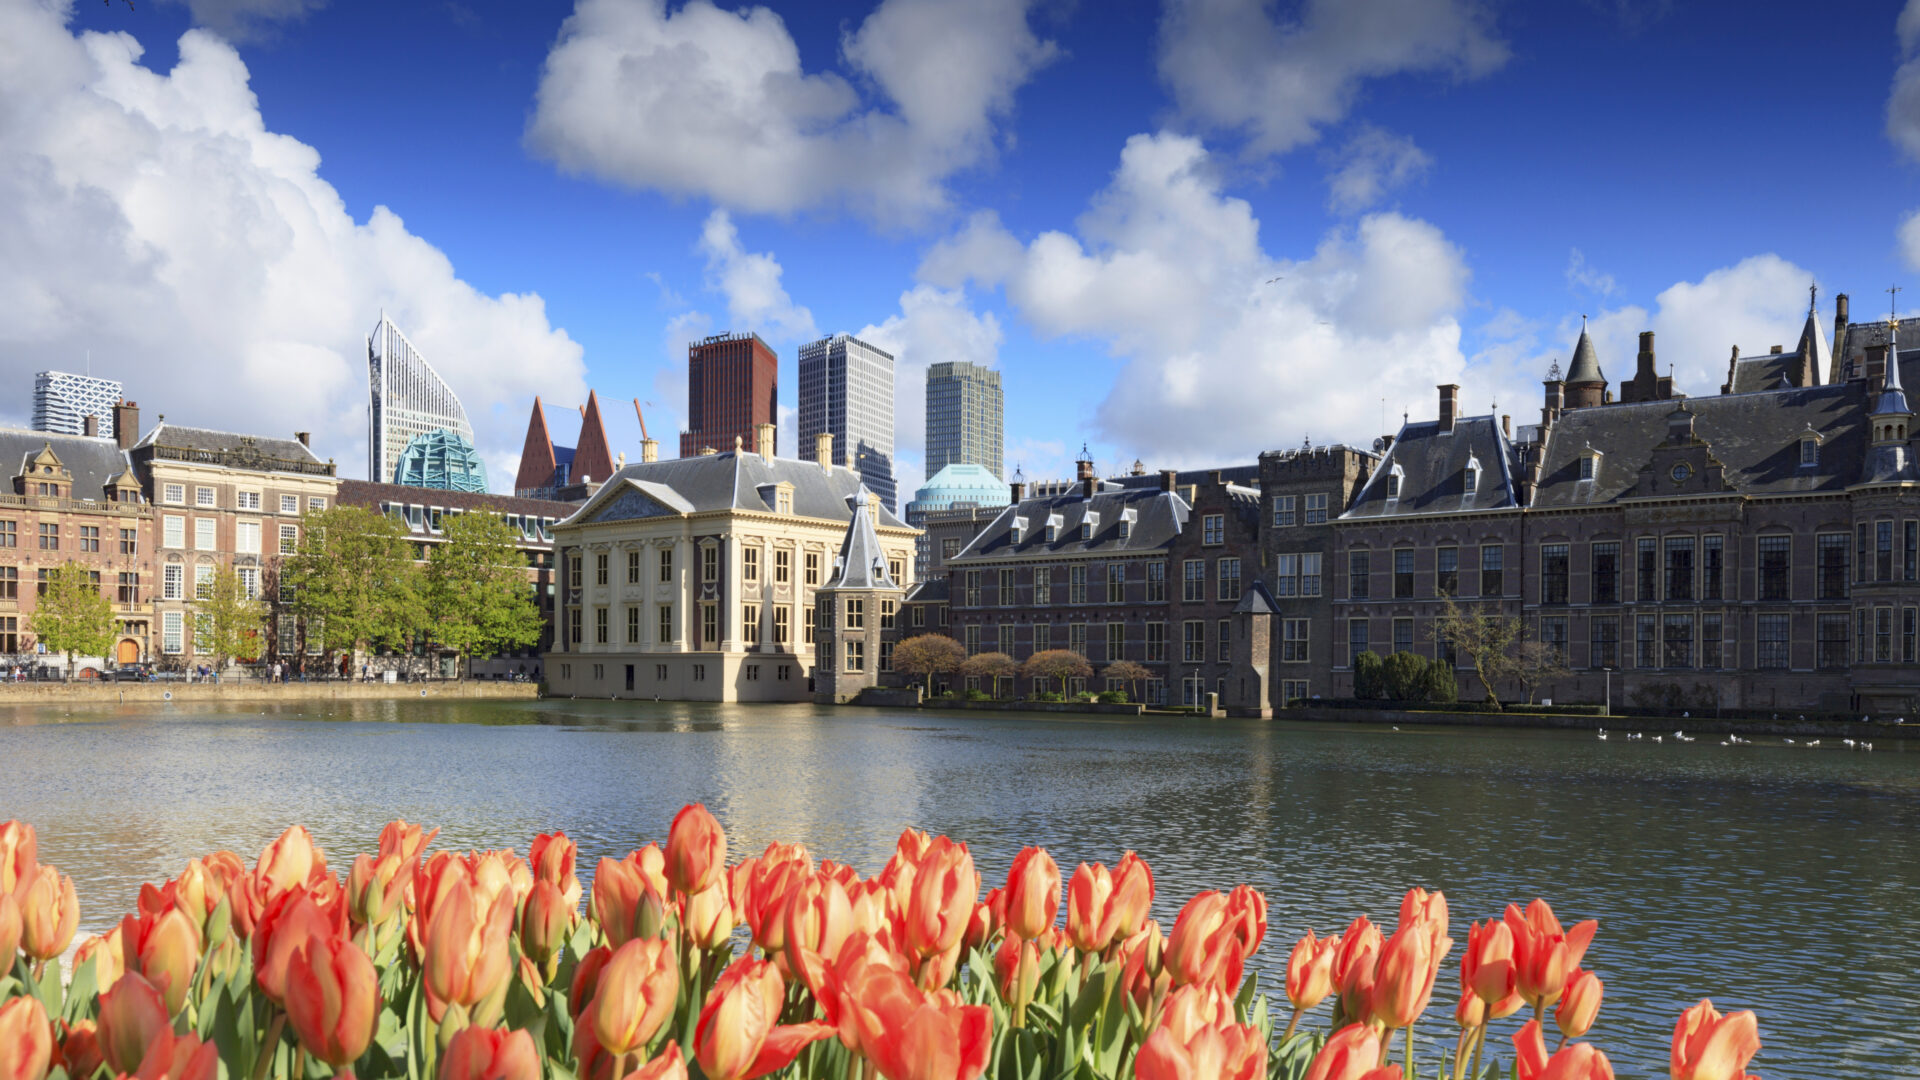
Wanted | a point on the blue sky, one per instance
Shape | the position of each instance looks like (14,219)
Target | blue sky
(1093,196)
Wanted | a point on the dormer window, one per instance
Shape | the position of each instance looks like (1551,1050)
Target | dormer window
(1019,529)
(1127,517)
(1393,483)
(1089,523)
(1054,521)
(1589,464)
(1470,479)
(1809,451)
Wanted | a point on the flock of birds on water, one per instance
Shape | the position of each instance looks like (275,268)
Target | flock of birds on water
(1735,740)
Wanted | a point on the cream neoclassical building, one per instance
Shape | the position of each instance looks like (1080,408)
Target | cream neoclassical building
(693,579)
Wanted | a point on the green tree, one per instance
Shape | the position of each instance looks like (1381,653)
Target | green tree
(355,573)
(928,655)
(1406,676)
(1443,687)
(228,623)
(1062,664)
(1369,679)
(73,617)
(1486,636)
(477,593)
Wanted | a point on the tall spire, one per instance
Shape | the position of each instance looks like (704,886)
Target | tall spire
(1893,399)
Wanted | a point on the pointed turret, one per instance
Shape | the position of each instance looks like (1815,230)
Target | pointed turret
(1815,357)
(1893,398)
(591,457)
(1586,384)
(537,461)
(861,564)
(1888,460)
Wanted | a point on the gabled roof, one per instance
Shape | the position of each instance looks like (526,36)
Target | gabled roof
(1432,466)
(734,481)
(1020,531)
(94,463)
(1813,345)
(1257,601)
(1763,371)
(861,563)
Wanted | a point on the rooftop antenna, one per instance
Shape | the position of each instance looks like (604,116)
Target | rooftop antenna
(642,417)
(1813,298)
(1893,305)
(1306,441)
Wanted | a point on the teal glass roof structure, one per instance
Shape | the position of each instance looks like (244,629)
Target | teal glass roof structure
(960,483)
(442,460)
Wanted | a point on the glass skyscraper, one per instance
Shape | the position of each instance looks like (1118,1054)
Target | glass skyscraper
(846,390)
(62,402)
(406,398)
(965,417)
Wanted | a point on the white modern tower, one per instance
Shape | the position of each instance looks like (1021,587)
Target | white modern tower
(846,390)
(63,401)
(405,398)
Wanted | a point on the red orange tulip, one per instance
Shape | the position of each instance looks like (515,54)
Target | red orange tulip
(1579,1005)
(10,930)
(1033,893)
(1310,971)
(545,923)
(819,917)
(479,1053)
(26,1040)
(49,913)
(1352,1053)
(290,860)
(1577,1061)
(945,887)
(284,928)
(377,889)
(1132,895)
(1205,945)
(1016,968)
(626,903)
(739,1036)
(1213,1052)
(586,979)
(19,856)
(696,850)
(467,960)
(166,949)
(333,999)
(1355,965)
(1709,1046)
(1487,969)
(1544,955)
(552,856)
(107,955)
(1092,920)
(635,995)
(666,1065)
(78,1050)
(179,1057)
(133,1016)
(909,1035)
(1247,915)
(1402,982)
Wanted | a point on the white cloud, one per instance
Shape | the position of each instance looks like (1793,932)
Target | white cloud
(717,104)
(241,20)
(155,221)
(1235,65)
(750,281)
(934,326)
(1371,165)
(1219,360)
(1909,237)
(1586,277)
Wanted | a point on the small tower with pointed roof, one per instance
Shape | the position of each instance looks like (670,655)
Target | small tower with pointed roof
(854,610)
(1585,386)
(1248,679)
(1888,460)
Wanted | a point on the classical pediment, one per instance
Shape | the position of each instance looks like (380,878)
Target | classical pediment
(631,505)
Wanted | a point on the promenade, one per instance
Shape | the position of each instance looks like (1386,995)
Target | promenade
(91,692)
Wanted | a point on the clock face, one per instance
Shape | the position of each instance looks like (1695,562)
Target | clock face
(1681,472)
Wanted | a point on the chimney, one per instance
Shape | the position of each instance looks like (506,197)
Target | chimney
(1449,402)
(1777,350)
(1644,366)
(305,437)
(1083,469)
(823,450)
(764,432)
(649,450)
(90,427)
(1506,425)
(1168,478)
(126,423)
(1018,490)
(1555,401)
(1839,317)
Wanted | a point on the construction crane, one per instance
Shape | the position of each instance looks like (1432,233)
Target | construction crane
(642,417)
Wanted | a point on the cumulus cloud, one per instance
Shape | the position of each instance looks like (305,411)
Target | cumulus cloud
(241,20)
(718,104)
(1218,359)
(934,326)
(1238,66)
(756,300)
(156,222)
(1585,277)
(1371,165)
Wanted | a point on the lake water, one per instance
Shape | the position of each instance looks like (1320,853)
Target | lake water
(1771,877)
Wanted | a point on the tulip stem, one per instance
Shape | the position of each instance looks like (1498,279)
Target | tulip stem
(1292,1023)
(1409,1051)
(1479,1043)
(1386,1048)
(299,1063)
(268,1045)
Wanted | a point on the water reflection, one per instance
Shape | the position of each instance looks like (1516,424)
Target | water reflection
(1765,876)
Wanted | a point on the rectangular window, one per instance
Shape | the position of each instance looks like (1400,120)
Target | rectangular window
(315,504)
(783,625)
(246,537)
(1553,573)
(1679,567)
(1831,560)
(172,631)
(1771,639)
(1286,575)
(1678,640)
(1228,572)
(665,624)
(600,626)
(888,616)
(1403,635)
(1606,573)
(1213,529)
(812,568)
(1863,560)
(203,496)
(970,636)
(573,625)
(203,583)
(633,626)
(1116,641)
(1077,584)
(249,582)
(1359,575)
(203,534)
(856,614)
(290,504)
(1042,637)
(1193,580)
(1156,582)
(1005,595)
(1604,643)
(856,655)
(633,568)
(886,656)
(1194,641)
(1116,583)
(1833,639)
(1293,640)
(1403,573)
(247,500)
(49,536)
(782,566)
(750,624)
(1775,582)
(173,532)
(1907,627)
(1356,639)
(919,615)
(710,563)
(1316,509)
(709,625)
(1493,562)
(573,571)
(1912,534)
(1646,644)
(973,588)
(1446,574)
(1712,563)
(173,579)
(813,617)
(9,535)
(601,568)
(173,493)
(1883,635)
(1077,638)
(1883,548)
(9,586)
(1042,586)
(289,539)
(1863,636)
(1223,634)
(89,538)
(1553,635)
(666,565)
(1283,511)
(1710,640)
(750,564)
(1310,574)
(1156,642)
(1647,571)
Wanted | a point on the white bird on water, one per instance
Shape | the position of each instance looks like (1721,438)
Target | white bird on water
(1656,738)
(1788,740)
(1603,734)
(1814,743)
(1848,743)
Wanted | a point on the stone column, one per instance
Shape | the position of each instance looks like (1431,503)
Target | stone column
(685,592)
(730,593)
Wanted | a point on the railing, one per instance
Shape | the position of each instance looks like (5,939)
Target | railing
(243,459)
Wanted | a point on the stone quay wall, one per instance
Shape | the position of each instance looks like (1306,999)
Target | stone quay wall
(36,693)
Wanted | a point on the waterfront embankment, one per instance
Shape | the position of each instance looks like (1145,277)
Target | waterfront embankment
(1787,725)
(89,692)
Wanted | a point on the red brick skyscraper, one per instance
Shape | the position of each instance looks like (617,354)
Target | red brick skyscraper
(732,386)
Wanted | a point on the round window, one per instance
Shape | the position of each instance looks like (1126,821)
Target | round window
(1681,472)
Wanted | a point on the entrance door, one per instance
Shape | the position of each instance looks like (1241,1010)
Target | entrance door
(629,678)
(128,652)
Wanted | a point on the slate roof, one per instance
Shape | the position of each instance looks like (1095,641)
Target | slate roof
(861,564)
(227,442)
(936,590)
(1756,436)
(736,480)
(1763,371)
(370,495)
(1257,601)
(1431,464)
(94,462)
(1157,516)
(1235,474)
(1586,363)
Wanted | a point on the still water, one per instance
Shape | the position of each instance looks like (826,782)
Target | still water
(1771,877)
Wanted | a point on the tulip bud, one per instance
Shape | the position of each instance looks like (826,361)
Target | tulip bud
(586,979)
(165,949)
(1352,1053)
(49,914)
(625,902)
(1132,895)
(1709,1046)
(468,960)
(1579,1005)
(552,856)
(989,916)
(1401,987)
(132,1016)
(19,856)
(478,1053)
(377,890)
(708,916)
(738,1035)
(284,927)
(1544,955)
(636,995)
(1091,920)
(78,1052)
(109,959)
(819,917)
(1310,971)
(333,999)
(180,1057)
(1247,915)
(1033,893)
(696,850)
(403,841)
(10,930)
(1205,945)
(666,1065)
(290,860)
(945,886)
(1017,970)
(544,923)
(26,1040)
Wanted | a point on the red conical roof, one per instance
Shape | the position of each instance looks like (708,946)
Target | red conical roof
(536,456)
(591,457)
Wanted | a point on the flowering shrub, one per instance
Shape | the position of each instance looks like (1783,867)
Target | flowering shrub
(484,966)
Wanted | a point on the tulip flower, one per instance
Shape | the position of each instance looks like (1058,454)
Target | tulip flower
(132,1016)
(49,914)
(78,1050)
(1310,971)
(544,923)
(1204,945)
(1247,915)
(289,861)
(10,930)
(285,926)
(109,958)
(377,890)
(626,903)
(1544,955)
(909,1035)
(552,856)
(768,884)
(1092,920)
(586,979)
(26,1040)
(1709,1046)
(819,917)
(1215,1052)
(495,874)
(479,1053)
(1033,893)
(1428,907)
(403,841)
(1487,968)
(179,1057)
(1578,1061)
(945,887)
(19,856)
(696,850)
(166,949)
(333,999)
(1352,1053)
(1132,895)
(1016,969)
(1578,1005)
(1192,1008)
(1401,982)
(204,885)
(635,995)
(1143,979)
(666,1065)
(739,1036)
(1355,965)
(467,959)
(708,916)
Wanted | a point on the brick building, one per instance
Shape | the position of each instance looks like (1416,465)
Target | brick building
(733,386)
